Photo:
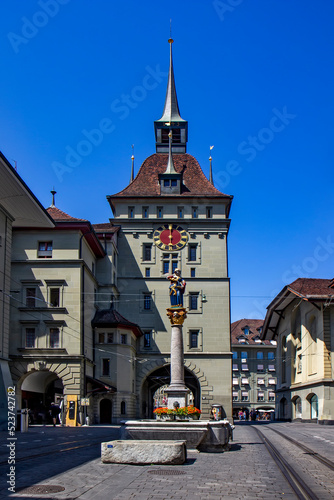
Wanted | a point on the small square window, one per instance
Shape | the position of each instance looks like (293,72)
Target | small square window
(260,396)
(54,338)
(260,368)
(147,251)
(259,355)
(44,250)
(271,368)
(193,339)
(110,338)
(30,338)
(235,367)
(192,253)
(131,212)
(194,212)
(159,212)
(180,212)
(147,272)
(166,182)
(234,355)
(101,338)
(193,301)
(272,381)
(260,381)
(173,182)
(244,381)
(147,301)
(166,267)
(244,396)
(208,212)
(271,396)
(235,395)
(244,367)
(31,297)
(145,212)
(193,272)
(235,381)
(105,367)
(147,339)
(123,338)
(271,355)
(54,297)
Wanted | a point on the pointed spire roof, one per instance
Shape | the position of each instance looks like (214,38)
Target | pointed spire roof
(170,164)
(171,111)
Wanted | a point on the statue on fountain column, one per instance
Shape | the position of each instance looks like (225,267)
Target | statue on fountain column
(176,288)
(176,312)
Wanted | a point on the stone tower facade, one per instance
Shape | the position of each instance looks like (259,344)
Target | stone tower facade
(171,216)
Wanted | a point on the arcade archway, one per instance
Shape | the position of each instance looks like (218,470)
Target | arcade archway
(38,390)
(161,377)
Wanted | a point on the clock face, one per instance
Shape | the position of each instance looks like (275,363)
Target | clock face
(170,237)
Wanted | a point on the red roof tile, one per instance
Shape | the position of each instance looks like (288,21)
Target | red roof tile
(60,216)
(194,181)
(237,330)
(105,227)
(312,287)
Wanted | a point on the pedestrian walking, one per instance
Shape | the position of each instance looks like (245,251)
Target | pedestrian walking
(54,410)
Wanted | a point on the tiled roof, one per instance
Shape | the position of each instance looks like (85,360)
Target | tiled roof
(60,216)
(237,331)
(111,318)
(146,182)
(312,287)
(105,227)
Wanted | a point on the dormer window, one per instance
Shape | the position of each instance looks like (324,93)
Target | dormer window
(246,330)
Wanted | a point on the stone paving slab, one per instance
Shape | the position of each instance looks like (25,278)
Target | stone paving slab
(245,472)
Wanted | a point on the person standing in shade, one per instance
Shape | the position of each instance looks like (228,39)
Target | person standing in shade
(54,410)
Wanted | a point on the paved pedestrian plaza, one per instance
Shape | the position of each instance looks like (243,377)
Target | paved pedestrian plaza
(63,459)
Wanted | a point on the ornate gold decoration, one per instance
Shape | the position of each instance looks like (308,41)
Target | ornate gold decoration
(176,315)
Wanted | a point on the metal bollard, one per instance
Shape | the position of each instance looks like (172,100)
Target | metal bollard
(24,420)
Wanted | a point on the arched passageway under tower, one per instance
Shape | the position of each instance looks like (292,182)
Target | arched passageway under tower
(161,377)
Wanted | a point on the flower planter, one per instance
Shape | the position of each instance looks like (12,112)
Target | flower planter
(194,416)
(168,418)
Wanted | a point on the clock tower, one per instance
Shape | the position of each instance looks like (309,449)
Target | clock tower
(172,217)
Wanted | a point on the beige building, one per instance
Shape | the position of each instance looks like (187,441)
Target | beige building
(301,319)
(28,212)
(171,216)
(253,368)
(54,298)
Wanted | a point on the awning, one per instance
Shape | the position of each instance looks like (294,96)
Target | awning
(99,386)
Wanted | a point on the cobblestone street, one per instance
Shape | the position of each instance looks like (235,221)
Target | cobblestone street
(247,471)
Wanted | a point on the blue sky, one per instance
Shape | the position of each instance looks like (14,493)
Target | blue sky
(254,78)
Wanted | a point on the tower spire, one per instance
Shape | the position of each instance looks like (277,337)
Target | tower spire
(171,118)
(171,111)
(170,165)
(210,159)
(53,192)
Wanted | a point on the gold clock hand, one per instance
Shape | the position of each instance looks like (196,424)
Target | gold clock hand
(170,234)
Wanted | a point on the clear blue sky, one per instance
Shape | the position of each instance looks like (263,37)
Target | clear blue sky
(254,78)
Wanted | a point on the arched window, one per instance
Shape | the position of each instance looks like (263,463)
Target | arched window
(298,407)
(314,406)
(271,355)
(259,355)
(123,408)
(234,355)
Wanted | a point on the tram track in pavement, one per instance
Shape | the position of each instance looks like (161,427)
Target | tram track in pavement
(302,490)
(309,451)
(54,450)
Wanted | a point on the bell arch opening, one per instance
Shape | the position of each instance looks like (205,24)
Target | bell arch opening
(160,378)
